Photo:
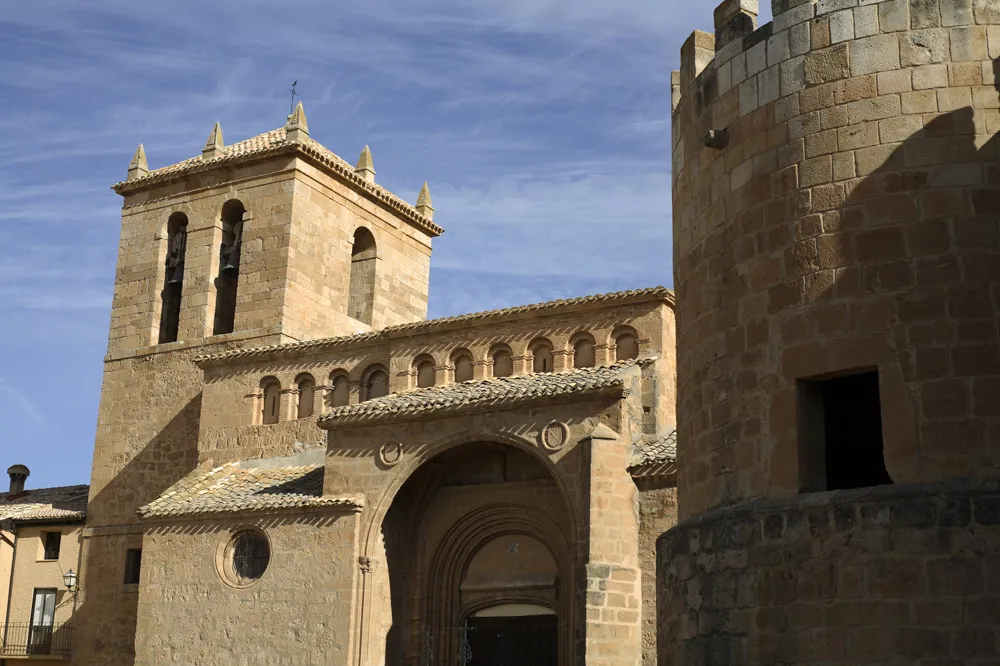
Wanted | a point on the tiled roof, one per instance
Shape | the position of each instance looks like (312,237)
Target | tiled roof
(61,503)
(399,330)
(236,487)
(656,450)
(274,142)
(477,394)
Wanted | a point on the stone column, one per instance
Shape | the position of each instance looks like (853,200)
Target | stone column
(612,598)
(562,360)
(288,404)
(522,364)
(604,354)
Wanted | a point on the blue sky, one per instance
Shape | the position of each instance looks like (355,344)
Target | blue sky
(542,127)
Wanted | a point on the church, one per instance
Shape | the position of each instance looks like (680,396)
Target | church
(793,460)
(312,472)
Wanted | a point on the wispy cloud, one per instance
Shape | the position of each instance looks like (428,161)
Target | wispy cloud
(21,402)
(542,126)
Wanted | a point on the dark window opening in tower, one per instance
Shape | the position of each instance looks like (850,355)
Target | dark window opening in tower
(841,433)
(173,281)
(229,267)
(361,295)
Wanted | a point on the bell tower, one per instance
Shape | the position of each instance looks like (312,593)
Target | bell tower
(271,240)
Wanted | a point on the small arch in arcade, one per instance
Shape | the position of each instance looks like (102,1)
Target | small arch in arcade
(583,350)
(306,386)
(374,382)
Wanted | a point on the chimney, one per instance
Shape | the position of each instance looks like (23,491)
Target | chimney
(18,473)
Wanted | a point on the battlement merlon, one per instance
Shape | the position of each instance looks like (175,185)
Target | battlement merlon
(736,32)
(742,68)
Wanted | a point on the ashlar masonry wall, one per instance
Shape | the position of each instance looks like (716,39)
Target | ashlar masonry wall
(231,427)
(836,202)
(835,208)
(298,612)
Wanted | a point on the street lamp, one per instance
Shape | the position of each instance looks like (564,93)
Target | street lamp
(69,580)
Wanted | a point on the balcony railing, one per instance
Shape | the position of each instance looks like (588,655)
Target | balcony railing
(21,639)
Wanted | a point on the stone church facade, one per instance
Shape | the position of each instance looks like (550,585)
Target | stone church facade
(314,473)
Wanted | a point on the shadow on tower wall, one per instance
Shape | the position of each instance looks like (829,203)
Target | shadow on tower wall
(894,266)
(106,617)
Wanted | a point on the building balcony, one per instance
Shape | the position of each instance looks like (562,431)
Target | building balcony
(21,640)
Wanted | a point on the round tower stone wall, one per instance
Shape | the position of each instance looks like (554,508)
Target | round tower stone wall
(836,201)
(836,194)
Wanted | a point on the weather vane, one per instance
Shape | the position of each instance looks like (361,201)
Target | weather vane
(291,109)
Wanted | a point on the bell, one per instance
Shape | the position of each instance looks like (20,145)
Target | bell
(176,275)
(232,266)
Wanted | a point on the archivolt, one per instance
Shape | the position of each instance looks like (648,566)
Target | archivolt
(444,611)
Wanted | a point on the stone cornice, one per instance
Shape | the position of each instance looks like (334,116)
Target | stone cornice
(579,304)
(489,395)
(311,151)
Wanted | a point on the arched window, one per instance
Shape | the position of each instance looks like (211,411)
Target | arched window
(463,367)
(583,352)
(307,394)
(626,345)
(503,363)
(541,356)
(375,384)
(226,284)
(340,396)
(424,366)
(361,296)
(271,405)
(170,313)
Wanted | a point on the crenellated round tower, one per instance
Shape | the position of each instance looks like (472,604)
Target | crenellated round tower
(836,195)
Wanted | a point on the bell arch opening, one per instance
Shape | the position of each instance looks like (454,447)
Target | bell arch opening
(361,291)
(478,539)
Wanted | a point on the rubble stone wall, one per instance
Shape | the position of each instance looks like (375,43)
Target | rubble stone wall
(887,575)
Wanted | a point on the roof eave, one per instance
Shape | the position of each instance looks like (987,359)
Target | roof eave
(49,520)
(377,194)
(654,468)
(349,505)
(331,421)
(653,295)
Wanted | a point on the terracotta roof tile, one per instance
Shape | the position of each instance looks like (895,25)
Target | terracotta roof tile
(274,141)
(60,503)
(477,394)
(655,450)
(237,487)
(399,330)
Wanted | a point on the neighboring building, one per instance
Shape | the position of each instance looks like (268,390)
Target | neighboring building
(311,472)
(836,221)
(41,532)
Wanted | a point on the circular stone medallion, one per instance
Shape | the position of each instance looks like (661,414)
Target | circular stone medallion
(390,453)
(554,435)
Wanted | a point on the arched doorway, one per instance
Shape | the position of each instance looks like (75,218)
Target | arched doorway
(477,547)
